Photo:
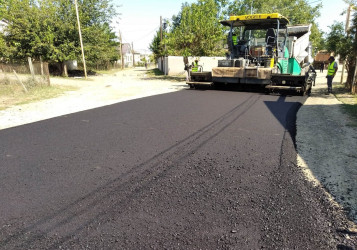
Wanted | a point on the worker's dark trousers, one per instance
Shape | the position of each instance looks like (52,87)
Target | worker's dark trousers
(329,83)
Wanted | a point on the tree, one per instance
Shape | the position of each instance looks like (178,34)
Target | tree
(345,46)
(48,29)
(335,39)
(156,46)
(196,30)
(101,45)
(3,47)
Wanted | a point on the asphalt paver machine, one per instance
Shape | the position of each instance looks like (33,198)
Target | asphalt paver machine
(263,50)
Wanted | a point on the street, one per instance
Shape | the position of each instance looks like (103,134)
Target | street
(193,169)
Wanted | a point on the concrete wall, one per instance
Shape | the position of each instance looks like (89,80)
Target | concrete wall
(174,65)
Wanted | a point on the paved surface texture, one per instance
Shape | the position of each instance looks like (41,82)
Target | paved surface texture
(326,143)
(185,170)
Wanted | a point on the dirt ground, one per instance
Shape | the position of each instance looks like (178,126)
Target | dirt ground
(95,92)
(326,144)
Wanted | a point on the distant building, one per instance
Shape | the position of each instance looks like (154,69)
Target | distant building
(127,55)
(322,58)
(132,57)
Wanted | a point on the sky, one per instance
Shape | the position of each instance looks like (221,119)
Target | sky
(140,19)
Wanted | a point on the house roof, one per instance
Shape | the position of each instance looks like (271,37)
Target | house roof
(322,56)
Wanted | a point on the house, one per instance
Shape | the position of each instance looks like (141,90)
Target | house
(322,58)
(131,57)
(127,55)
(145,56)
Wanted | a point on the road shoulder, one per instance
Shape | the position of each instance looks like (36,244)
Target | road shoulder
(95,92)
(326,145)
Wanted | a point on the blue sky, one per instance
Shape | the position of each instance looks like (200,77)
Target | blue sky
(141,18)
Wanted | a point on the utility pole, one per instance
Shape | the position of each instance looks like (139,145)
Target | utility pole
(121,50)
(353,90)
(162,61)
(80,39)
(347,28)
(132,51)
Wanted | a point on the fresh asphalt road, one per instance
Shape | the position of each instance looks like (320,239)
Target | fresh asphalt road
(186,170)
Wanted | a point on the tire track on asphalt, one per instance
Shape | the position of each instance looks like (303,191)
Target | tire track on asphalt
(127,186)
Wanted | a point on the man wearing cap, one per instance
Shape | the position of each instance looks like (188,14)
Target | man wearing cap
(331,72)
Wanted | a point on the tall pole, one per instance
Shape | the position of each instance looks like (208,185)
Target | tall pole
(121,50)
(80,39)
(132,51)
(353,90)
(162,61)
(347,31)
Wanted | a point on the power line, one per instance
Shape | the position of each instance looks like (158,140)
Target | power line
(149,33)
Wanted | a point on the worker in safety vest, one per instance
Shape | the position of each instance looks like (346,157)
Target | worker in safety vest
(195,66)
(235,39)
(331,72)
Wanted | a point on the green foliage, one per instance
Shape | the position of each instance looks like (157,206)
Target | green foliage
(336,40)
(156,47)
(2,8)
(344,45)
(196,30)
(316,38)
(48,29)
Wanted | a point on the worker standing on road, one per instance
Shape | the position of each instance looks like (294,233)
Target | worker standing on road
(322,65)
(331,72)
(187,68)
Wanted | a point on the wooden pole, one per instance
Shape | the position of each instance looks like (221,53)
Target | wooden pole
(41,62)
(354,78)
(347,31)
(121,50)
(162,61)
(31,67)
(132,51)
(80,39)
(65,70)
(18,78)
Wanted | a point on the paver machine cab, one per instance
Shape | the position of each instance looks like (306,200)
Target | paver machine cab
(263,50)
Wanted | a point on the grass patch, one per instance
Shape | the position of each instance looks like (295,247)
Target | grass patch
(351,110)
(157,74)
(13,94)
(349,102)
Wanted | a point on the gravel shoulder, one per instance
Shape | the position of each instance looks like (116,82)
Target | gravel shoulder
(326,146)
